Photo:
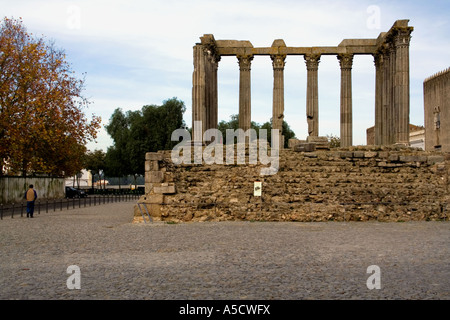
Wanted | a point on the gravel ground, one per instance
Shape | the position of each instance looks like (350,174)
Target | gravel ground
(218,260)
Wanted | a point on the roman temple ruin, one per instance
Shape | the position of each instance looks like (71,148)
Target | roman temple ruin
(387,181)
(391,58)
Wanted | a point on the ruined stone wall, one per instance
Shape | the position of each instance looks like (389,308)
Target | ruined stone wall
(351,184)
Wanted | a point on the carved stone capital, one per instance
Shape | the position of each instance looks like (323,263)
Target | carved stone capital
(378,59)
(312,61)
(244,62)
(384,51)
(278,61)
(345,60)
(391,48)
(402,37)
(210,51)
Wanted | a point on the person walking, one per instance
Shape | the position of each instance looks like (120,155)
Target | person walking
(31,197)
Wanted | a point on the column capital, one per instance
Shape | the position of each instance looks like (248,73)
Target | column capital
(278,61)
(402,37)
(345,60)
(378,59)
(388,49)
(210,51)
(244,62)
(312,61)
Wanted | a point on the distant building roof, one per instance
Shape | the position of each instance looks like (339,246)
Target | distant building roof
(413,127)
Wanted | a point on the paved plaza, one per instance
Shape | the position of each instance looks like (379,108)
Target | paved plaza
(118,259)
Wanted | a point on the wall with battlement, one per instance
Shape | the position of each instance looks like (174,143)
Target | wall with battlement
(353,184)
(436,92)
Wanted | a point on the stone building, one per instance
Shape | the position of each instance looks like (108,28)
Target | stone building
(416,136)
(436,94)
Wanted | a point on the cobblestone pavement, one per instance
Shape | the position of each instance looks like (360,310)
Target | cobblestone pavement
(219,260)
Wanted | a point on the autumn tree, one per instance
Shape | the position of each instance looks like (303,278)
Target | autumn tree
(43,127)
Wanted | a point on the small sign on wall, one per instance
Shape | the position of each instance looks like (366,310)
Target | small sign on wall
(257,189)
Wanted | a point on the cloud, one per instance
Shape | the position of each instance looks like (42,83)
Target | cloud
(140,52)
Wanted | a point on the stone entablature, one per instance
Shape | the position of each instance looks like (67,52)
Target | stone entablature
(391,57)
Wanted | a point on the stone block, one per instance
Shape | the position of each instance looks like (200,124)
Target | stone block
(346,154)
(405,159)
(370,154)
(154,156)
(152,199)
(422,159)
(293,142)
(358,154)
(383,154)
(412,158)
(311,155)
(435,159)
(305,147)
(320,142)
(312,139)
(164,189)
(153,210)
(151,165)
(154,177)
(155,199)
(148,187)
(393,157)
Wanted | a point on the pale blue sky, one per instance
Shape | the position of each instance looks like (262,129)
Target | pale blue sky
(140,52)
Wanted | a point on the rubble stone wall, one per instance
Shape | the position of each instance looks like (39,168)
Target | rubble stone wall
(346,184)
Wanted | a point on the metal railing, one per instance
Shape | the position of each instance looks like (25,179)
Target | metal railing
(47,205)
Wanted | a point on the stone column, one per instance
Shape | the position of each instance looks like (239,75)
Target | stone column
(215,100)
(312,94)
(392,114)
(244,91)
(199,91)
(211,90)
(278,63)
(378,130)
(346,61)
(401,89)
(385,99)
(208,83)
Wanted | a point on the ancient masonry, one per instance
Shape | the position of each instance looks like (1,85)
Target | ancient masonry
(436,94)
(391,57)
(388,181)
(384,183)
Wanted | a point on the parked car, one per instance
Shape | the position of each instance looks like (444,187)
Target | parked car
(75,193)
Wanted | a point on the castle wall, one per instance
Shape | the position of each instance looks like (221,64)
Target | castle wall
(436,92)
